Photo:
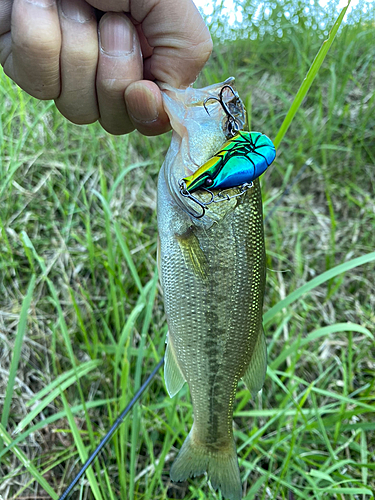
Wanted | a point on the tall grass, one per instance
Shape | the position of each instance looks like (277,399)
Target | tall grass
(81,316)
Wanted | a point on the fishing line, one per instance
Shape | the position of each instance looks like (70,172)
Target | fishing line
(111,431)
(148,381)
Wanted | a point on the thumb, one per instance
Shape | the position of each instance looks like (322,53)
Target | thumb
(177,43)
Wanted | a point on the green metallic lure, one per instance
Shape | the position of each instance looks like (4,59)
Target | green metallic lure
(242,159)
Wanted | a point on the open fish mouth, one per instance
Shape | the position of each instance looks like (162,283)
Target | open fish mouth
(210,99)
(228,155)
(198,113)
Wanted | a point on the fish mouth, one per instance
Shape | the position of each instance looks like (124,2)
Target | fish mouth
(203,109)
(233,107)
(201,126)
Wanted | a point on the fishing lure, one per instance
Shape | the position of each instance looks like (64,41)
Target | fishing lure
(241,160)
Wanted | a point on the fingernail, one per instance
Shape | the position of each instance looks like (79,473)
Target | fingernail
(77,11)
(116,35)
(141,104)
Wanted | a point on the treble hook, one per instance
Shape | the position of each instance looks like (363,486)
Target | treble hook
(233,127)
(185,193)
(221,196)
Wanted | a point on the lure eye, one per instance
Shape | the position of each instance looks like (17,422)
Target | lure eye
(208,182)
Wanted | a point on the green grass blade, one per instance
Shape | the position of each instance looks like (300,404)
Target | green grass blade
(364,455)
(128,258)
(81,449)
(124,173)
(78,373)
(310,285)
(306,84)
(27,464)
(255,488)
(21,330)
(348,491)
(110,253)
(329,394)
(316,334)
(122,243)
(57,382)
(53,418)
(337,327)
(129,325)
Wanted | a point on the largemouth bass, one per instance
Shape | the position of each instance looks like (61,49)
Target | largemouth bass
(212,269)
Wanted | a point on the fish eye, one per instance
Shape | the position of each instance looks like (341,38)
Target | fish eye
(208,182)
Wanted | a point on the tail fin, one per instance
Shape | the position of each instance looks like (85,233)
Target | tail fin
(222,467)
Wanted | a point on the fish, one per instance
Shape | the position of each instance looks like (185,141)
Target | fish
(211,258)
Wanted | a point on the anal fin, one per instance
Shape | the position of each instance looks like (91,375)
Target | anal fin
(174,378)
(256,371)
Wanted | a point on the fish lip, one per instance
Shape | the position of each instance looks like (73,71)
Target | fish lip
(212,91)
(217,86)
(194,98)
(191,98)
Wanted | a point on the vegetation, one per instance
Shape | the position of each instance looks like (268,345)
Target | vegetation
(81,314)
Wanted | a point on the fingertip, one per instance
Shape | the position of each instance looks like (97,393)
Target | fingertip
(145,107)
(179,37)
(120,64)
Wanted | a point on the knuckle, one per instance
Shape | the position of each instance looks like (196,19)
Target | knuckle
(204,50)
(80,56)
(112,86)
(41,45)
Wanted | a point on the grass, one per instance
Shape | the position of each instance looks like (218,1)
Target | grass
(81,315)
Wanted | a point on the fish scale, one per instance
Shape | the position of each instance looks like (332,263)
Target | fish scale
(213,277)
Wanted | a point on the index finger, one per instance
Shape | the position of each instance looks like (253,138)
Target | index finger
(176,33)
(36,43)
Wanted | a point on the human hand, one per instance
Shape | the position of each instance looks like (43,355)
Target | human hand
(104,69)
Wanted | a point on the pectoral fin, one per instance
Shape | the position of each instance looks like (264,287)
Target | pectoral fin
(174,378)
(194,256)
(256,371)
